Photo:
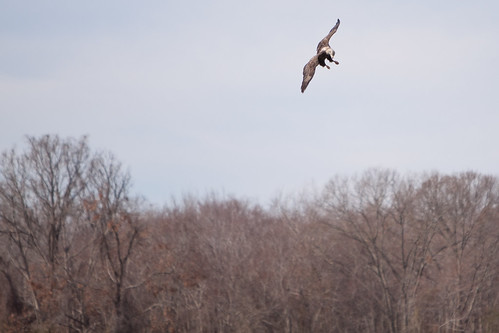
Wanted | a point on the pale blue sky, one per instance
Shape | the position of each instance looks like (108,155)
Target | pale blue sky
(199,96)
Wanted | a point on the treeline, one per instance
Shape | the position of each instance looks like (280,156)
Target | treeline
(381,252)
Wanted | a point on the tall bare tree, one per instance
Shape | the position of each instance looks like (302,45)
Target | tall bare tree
(60,206)
(465,207)
(39,193)
(380,213)
(118,230)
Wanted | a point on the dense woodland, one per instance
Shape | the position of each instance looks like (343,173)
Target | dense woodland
(378,252)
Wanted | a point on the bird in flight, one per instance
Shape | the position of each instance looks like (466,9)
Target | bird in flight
(324,51)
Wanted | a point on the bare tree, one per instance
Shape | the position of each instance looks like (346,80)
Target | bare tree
(60,206)
(117,228)
(38,195)
(380,213)
(465,207)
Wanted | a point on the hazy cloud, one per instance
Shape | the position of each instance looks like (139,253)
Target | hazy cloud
(202,96)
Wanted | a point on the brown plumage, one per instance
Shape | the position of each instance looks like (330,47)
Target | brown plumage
(324,51)
(325,41)
(309,71)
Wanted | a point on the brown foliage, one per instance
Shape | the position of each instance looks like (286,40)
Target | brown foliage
(375,253)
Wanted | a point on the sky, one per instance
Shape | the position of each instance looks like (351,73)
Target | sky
(204,96)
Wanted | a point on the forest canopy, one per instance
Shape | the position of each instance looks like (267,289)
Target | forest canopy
(376,252)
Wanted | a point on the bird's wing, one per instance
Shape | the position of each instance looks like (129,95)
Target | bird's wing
(325,41)
(309,71)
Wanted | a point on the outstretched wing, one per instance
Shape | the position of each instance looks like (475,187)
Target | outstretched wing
(325,41)
(309,71)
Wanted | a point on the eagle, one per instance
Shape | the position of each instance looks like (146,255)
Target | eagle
(324,51)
